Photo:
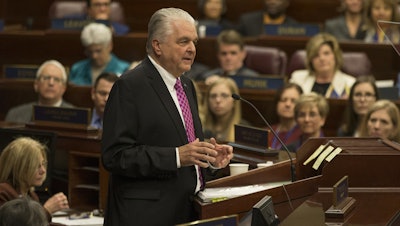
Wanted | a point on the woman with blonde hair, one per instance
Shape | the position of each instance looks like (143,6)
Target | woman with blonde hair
(222,112)
(382,120)
(323,74)
(23,165)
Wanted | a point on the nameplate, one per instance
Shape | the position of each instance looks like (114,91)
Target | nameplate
(340,191)
(231,220)
(20,71)
(252,139)
(292,30)
(260,82)
(74,23)
(213,30)
(61,115)
(1,25)
(251,135)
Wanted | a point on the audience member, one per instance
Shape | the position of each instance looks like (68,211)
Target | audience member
(385,10)
(22,211)
(310,113)
(287,128)
(347,26)
(362,95)
(222,112)
(50,85)
(252,23)
(323,74)
(23,165)
(101,10)
(100,91)
(97,40)
(212,13)
(152,141)
(382,120)
(231,55)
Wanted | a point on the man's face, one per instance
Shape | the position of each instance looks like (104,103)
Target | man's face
(231,57)
(100,95)
(176,51)
(100,9)
(50,85)
(275,8)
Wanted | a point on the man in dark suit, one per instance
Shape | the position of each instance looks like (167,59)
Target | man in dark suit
(50,85)
(149,147)
(252,24)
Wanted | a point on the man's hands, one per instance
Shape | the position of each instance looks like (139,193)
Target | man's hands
(203,153)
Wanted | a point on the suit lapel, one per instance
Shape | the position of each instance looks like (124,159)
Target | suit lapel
(161,90)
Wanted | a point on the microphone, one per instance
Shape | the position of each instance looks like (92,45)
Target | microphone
(292,167)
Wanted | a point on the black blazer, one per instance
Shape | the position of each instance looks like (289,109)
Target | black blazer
(252,24)
(142,127)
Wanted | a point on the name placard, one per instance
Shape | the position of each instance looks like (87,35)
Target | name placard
(60,115)
(340,191)
(260,82)
(74,23)
(252,139)
(292,30)
(20,71)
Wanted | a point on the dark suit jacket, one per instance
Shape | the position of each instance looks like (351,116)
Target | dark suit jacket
(252,24)
(142,127)
(338,28)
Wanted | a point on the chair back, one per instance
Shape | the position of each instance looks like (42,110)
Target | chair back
(266,60)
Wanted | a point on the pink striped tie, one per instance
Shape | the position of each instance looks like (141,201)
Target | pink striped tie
(187,116)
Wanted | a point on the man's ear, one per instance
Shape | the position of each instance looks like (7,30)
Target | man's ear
(156,47)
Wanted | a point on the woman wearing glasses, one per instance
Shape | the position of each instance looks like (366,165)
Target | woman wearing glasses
(363,94)
(222,112)
(23,166)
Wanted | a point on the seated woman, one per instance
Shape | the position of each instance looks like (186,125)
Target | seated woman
(347,26)
(310,113)
(363,94)
(221,111)
(323,74)
(23,165)
(384,10)
(382,120)
(212,13)
(287,128)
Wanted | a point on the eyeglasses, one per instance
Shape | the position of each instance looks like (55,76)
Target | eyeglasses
(367,96)
(100,4)
(47,78)
(309,114)
(222,95)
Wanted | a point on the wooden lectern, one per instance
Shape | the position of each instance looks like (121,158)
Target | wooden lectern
(371,165)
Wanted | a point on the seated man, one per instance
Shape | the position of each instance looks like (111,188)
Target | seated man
(100,91)
(50,84)
(97,40)
(101,10)
(231,54)
(252,23)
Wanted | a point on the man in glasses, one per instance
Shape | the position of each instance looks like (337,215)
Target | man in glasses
(50,85)
(101,10)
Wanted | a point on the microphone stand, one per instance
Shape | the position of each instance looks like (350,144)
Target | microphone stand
(292,167)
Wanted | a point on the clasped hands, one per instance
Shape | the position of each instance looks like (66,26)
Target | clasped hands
(205,154)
